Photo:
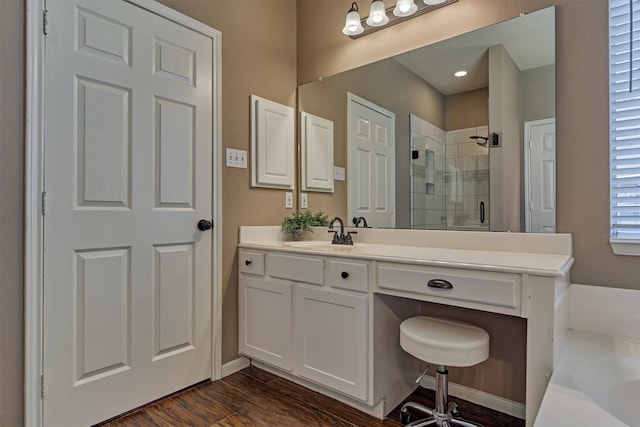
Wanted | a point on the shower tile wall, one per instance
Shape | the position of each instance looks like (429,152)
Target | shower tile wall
(467,180)
(428,181)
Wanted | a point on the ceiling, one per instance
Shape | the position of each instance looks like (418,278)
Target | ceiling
(529,40)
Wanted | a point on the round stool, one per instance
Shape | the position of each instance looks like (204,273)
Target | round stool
(444,343)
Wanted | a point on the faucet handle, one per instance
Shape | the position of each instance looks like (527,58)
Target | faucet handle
(336,239)
(348,240)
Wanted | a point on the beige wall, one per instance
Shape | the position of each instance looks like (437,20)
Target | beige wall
(538,93)
(581,105)
(11,213)
(505,160)
(467,109)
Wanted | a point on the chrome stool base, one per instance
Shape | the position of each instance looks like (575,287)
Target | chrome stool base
(445,414)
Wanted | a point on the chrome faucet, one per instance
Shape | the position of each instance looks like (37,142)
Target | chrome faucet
(360,219)
(340,239)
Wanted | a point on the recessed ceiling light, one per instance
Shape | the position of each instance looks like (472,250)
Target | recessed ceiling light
(460,73)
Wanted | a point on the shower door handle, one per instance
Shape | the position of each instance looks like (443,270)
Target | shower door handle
(481,212)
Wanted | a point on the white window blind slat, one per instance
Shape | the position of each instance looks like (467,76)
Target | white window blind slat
(624,103)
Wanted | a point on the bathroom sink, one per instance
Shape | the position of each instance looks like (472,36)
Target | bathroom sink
(319,245)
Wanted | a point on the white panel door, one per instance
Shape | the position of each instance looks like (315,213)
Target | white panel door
(128,175)
(330,339)
(371,172)
(540,172)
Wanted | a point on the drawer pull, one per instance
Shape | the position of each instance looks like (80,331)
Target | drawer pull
(247,262)
(344,274)
(439,284)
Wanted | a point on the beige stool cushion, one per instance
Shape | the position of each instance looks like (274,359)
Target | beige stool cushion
(444,342)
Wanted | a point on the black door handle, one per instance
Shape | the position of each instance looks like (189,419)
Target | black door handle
(204,225)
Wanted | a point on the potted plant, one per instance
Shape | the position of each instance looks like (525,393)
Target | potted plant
(295,225)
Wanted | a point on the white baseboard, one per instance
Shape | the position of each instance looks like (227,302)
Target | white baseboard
(235,365)
(500,404)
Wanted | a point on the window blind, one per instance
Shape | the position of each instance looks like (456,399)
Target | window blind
(624,108)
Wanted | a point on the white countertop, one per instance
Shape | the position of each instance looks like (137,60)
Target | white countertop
(515,260)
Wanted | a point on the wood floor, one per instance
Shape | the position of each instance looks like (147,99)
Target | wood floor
(253,397)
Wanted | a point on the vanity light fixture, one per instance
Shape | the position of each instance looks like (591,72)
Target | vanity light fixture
(379,17)
(353,26)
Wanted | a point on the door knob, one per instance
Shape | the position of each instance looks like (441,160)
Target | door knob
(204,225)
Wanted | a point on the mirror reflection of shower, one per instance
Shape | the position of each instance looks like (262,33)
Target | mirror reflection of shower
(480,140)
(449,177)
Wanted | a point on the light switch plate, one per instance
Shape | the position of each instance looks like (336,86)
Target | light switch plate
(288,200)
(304,201)
(338,173)
(236,158)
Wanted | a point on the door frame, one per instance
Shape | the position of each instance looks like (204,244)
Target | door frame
(527,167)
(353,98)
(34,384)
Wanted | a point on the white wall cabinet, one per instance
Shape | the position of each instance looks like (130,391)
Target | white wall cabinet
(272,144)
(316,153)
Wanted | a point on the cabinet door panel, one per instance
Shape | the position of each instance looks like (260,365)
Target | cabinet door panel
(265,320)
(331,339)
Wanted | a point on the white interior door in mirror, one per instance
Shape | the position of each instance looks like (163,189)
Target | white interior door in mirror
(317,153)
(371,153)
(272,144)
(540,176)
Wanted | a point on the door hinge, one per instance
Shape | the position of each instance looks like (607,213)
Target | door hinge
(45,22)
(44,202)
(42,385)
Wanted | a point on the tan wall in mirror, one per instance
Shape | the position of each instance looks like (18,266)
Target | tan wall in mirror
(506,164)
(391,86)
(258,57)
(538,93)
(11,211)
(467,109)
(581,104)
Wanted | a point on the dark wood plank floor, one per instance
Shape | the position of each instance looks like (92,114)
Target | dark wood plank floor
(254,397)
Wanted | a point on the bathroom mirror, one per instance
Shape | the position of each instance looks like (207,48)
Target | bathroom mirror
(510,84)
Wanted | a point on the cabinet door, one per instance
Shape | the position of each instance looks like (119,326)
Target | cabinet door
(265,320)
(330,345)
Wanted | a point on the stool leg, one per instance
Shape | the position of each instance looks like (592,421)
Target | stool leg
(442,389)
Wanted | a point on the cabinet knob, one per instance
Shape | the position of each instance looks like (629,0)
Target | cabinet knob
(247,262)
(344,274)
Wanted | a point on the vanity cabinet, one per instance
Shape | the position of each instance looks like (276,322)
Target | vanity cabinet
(330,339)
(264,310)
(307,315)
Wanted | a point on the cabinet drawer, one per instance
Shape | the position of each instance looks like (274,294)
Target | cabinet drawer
(251,262)
(349,275)
(296,267)
(495,289)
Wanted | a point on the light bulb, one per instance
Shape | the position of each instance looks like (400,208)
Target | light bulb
(405,8)
(378,15)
